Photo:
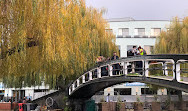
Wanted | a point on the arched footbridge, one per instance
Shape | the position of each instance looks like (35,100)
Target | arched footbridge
(172,72)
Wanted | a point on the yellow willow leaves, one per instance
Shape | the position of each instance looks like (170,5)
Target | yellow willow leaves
(174,40)
(42,40)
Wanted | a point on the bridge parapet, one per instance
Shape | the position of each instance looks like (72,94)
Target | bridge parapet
(137,65)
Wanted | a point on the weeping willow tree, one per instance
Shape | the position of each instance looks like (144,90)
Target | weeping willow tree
(45,40)
(174,40)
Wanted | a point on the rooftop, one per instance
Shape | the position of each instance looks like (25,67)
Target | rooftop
(128,19)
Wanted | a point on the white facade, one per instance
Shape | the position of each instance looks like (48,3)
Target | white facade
(28,92)
(135,89)
(131,32)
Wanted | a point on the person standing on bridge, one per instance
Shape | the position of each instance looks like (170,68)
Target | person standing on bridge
(99,60)
(134,53)
(116,67)
(114,57)
(141,52)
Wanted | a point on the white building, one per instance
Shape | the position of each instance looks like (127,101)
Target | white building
(130,92)
(28,92)
(130,32)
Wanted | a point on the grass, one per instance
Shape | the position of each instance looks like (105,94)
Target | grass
(133,74)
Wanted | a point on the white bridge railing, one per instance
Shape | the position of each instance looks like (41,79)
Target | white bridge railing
(140,65)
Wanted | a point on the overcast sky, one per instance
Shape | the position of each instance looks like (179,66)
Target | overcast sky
(142,9)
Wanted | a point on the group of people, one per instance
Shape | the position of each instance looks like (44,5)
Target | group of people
(117,67)
(24,100)
(136,51)
(133,52)
(104,70)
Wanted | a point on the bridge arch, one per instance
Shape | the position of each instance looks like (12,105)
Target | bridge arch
(95,79)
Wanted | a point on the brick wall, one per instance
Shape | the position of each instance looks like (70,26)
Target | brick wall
(5,106)
(111,106)
(107,106)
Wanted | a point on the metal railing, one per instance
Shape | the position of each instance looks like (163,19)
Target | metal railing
(137,65)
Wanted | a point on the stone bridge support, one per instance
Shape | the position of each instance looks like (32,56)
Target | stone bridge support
(59,99)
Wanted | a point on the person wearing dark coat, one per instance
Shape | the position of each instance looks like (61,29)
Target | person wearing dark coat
(116,67)
(114,57)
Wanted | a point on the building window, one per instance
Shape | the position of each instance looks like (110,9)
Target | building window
(130,47)
(2,93)
(122,91)
(147,91)
(149,49)
(139,31)
(155,31)
(40,90)
(123,32)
